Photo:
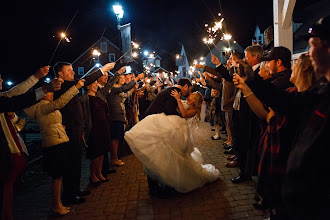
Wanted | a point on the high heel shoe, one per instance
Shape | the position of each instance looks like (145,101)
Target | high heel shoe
(60,212)
(117,162)
(94,184)
(105,180)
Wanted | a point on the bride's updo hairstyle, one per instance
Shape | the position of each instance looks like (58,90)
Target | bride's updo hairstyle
(198,104)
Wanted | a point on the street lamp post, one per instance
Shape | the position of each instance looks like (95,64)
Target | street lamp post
(119,12)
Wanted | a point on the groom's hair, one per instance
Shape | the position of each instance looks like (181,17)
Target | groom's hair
(184,81)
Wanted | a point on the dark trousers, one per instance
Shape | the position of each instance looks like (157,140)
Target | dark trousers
(240,139)
(71,179)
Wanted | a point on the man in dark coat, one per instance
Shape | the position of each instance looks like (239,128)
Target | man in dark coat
(279,64)
(72,115)
(246,129)
(305,190)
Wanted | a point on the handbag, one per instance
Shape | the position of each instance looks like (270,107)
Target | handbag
(20,124)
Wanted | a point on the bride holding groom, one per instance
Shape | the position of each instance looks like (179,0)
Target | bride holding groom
(163,142)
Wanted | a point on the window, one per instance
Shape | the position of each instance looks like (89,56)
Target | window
(157,63)
(96,59)
(80,70)
(144,63)
(112,57)
(104,47)
(260,39)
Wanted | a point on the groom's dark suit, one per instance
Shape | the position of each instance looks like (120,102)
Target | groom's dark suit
(164,102)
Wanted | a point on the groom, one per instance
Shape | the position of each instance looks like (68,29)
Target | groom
(165,103)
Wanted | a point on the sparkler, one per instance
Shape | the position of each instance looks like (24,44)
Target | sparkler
(135,45)
(63,36)
(121,57)
(96,53)
(135,54)
(227,36)
(213,33)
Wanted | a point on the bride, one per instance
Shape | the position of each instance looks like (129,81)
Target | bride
(165,146)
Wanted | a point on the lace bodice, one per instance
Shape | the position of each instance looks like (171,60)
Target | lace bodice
(185,104)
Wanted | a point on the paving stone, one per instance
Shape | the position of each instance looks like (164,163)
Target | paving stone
(126,196)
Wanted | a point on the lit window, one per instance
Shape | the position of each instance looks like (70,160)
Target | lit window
(81,71)
(96,59)
(112,57)
(157,63)
(144,63)
(104,47)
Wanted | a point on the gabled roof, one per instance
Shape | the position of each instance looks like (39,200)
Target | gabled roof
(147,57)
(262,27)
(160,68)
(93,45)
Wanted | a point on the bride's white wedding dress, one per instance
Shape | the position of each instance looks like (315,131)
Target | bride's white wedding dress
(165,146)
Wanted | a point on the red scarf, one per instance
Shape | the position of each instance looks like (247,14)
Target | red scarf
(13,133)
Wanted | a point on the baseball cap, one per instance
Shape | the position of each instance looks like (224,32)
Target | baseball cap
(279,53)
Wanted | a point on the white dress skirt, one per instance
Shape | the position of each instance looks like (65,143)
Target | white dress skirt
(165,146)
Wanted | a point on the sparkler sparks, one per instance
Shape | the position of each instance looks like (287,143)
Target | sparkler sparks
(212,32)
(227,36)
(135,54)
(96,53)
(135,45)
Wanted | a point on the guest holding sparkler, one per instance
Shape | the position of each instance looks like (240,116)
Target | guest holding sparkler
(73,121)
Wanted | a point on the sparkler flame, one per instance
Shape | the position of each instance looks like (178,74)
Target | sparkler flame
(135,45)
(96,53)
(134,54)
(227,36)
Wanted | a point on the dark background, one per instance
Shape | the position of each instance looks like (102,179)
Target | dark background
(30,29)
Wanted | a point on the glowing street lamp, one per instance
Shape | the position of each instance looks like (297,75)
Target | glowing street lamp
(10,83)
(119,12)
(146,53)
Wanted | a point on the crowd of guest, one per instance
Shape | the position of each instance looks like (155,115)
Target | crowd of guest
(278,123)
(275,117)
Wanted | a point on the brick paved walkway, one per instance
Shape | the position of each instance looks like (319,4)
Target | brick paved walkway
(126,195)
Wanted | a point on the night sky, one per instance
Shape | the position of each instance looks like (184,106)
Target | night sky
(31,28)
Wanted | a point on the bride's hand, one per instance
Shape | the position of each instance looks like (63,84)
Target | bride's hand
(176,94)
